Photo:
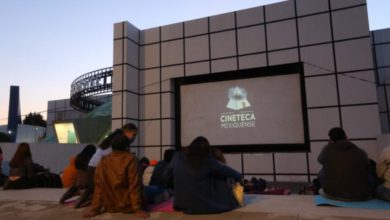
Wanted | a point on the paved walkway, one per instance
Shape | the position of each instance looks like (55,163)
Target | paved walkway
(42,204)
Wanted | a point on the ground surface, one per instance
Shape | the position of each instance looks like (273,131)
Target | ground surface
(42,204)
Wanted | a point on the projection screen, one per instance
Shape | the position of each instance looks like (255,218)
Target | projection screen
(253,110)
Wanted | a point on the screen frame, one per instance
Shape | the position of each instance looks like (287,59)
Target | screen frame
(284,69)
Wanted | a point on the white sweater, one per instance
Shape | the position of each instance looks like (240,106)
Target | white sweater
(98,156)
(383,166)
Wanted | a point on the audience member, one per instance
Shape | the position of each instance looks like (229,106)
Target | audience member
(3,177)
(345,169)
(383,172)
(200,181)
(118,185)
(69,174)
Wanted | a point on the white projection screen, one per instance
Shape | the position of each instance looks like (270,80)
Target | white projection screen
(253,110)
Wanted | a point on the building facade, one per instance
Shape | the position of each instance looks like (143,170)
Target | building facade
(331,38)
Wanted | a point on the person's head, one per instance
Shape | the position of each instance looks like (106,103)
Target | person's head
(120,143)
(337,134)
(217,154)
(130,130)
(198,151)
(168,155)
(88,150)
(22,153)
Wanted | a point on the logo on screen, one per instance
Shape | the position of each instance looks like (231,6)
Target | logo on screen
(237,98)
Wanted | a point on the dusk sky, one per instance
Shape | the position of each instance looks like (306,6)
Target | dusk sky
(46,44)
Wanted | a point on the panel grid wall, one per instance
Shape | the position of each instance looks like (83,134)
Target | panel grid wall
(381,52)
(330,36)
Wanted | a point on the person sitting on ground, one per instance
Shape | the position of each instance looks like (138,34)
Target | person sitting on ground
(200,181)
(383,172)
(159,169)
(3,177)
(345,169)
(81,165)
(22,169)
(130,131)
(118,185)
(69,174)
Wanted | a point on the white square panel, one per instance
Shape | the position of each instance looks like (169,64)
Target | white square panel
(318,59)
(222,22)
(197,68)
(223,44)
(172,52)
(335,4)
(117,105)
(321,121)
(361,121)
(384,75)
(344,28)
(251,39)
(168,132)
(321,91)
(131,32)
(130,105)
(132,53)
(116,123)
(258,163)
(197,48)
(117,78)
(150,106)
(278,11)
(314,29)
(151,35)
(150,135)
(353,55)
(383,54)
(234,161)
(118,30)
(167,73)
(384,120)
(316,148)
(196,27)
(290,163)
(172,31)
(131,79)
(250,16)
(152,153)
(381,36)
(168,105)
(223,65)
(355,91)
(118,52)
(281,35)
(305,7)
(381,98)
(283,57)
(149,81)
(252,61)
(370,147)
(150,56)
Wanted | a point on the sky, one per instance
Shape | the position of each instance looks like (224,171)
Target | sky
(46,44)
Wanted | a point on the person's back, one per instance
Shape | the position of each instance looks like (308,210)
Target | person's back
(158,172)
(201,188)
(345,171)
(69,174)
(383,171)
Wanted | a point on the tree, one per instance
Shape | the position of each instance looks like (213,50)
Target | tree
(35,119)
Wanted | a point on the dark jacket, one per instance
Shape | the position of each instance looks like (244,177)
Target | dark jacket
(203,190)
(157,175)
(345,172)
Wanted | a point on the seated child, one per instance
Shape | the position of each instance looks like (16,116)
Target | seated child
(118,186)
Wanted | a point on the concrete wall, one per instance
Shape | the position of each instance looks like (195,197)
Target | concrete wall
(49,155)
(381,49)
(331,37)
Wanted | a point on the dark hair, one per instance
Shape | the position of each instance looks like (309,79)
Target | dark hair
(198,151)
(168,155)
(120,143)
(1,151)
(217,154)
(106,143)
(82,159)
(337,134)
(130,127)
(22,153)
